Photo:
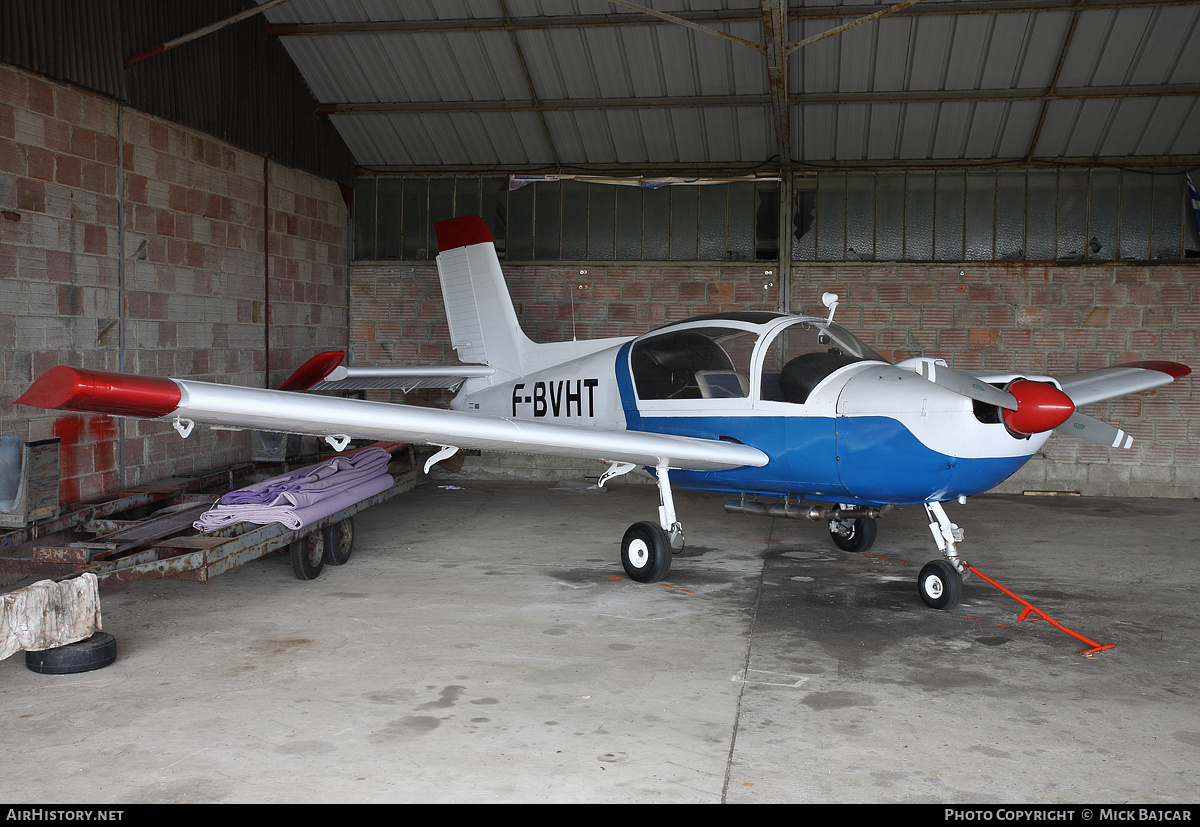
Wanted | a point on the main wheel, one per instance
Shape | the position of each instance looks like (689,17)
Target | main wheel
(856,535)
(94,652)
(339,542)
(308,555)
(940,585)
(646,552)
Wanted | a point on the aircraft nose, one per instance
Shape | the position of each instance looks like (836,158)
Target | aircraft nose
(1040,407)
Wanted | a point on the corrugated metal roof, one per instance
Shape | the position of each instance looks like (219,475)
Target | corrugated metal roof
(564,83)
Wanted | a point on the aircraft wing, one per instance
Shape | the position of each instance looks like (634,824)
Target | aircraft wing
(187,401)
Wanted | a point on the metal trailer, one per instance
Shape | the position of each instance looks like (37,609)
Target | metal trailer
(108,538)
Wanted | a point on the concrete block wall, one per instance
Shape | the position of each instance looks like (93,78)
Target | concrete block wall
(231,265)
(996,318)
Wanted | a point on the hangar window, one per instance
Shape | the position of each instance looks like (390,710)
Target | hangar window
(1067,215)
(951,215)
(570,220)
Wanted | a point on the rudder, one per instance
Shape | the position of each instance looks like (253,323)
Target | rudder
(483,322)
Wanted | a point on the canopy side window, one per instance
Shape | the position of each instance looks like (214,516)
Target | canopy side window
(700,363)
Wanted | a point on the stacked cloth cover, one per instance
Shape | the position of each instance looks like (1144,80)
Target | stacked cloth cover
(305,496)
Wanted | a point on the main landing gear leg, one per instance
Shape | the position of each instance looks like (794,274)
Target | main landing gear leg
(646,548)
(940,581)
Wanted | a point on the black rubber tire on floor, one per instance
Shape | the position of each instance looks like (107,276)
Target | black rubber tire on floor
(95,652)
(308,555)
(339,542)
(940,585)
(646,552)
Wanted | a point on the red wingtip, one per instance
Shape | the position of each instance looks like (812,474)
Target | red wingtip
(461,232)
(97,391)
(313,371)
(1172,369)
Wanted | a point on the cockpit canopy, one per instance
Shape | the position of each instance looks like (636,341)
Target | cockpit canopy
(712,357)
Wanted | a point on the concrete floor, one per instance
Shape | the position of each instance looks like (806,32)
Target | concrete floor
(482,645)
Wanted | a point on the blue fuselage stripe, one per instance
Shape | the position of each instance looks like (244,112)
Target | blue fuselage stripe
(869,459)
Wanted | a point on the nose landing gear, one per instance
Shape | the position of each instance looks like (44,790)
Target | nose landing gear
(940,582)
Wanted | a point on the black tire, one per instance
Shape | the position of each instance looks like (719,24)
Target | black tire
(940,585)
(308,555)
(95,652)
(339,542)
(646,552)
(859,537)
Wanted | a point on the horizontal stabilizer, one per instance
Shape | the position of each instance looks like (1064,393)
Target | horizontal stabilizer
(401,379)
(325,372)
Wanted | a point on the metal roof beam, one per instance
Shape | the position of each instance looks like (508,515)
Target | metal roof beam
(922,96)
(1176,162)
(775,39)
(711,18)
(690,24)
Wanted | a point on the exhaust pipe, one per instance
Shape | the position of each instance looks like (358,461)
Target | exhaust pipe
(757,508)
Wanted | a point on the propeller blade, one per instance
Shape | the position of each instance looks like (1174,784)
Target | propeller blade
(962,383)
(1093,430)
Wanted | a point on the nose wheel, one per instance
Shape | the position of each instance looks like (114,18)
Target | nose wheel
(940,585)
(940,582)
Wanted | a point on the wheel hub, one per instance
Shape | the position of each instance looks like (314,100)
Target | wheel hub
(933,586)
(639,553)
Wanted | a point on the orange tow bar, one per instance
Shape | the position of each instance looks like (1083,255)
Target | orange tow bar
(1031,609)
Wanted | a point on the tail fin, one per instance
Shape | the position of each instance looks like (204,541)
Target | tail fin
(483,323)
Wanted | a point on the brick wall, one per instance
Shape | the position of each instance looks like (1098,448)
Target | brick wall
(196,300)
(995,318)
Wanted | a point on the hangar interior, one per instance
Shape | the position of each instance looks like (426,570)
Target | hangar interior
(1000,184)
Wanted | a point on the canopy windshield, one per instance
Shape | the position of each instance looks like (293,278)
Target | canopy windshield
(803,354)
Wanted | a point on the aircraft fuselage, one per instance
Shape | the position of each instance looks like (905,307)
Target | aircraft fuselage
(852,428)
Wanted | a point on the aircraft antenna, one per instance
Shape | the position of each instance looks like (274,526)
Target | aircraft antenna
(579,286)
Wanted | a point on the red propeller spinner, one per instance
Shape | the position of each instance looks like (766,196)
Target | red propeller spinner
(1040,407)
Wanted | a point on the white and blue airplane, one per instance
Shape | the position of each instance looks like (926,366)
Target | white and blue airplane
(775,408)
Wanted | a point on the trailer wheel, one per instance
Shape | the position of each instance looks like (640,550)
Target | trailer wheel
(308,555)
(95,652)
(339,542)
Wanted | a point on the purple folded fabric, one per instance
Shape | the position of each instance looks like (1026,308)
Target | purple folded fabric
(306,496)
(335,474)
